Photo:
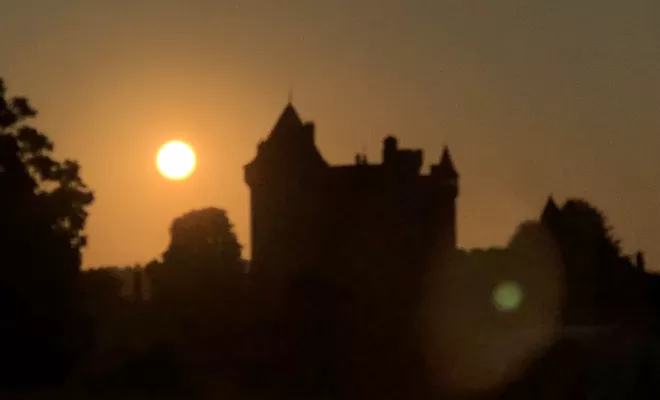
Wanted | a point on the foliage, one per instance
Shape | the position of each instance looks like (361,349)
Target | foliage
(197,287)
(101,291)
(602,285)
(204,253)
(42,215)
(62,196)
(204,237)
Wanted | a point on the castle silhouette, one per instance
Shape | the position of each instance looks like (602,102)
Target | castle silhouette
(307,213)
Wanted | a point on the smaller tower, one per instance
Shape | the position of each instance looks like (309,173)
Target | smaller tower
(390,149)
(445,176)
(551,215)
(446,172)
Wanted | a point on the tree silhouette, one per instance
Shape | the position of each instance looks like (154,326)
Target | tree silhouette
(605,303)
(42,215)
(61,194)
(203,253)
(204,238)
(599,279)
(102,291)
(196,288)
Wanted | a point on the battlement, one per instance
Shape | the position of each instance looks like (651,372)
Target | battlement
(411,160)
(406,161)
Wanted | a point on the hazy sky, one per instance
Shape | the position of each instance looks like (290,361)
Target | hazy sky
(533,97)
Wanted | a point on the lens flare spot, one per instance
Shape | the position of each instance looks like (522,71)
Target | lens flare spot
(507,296)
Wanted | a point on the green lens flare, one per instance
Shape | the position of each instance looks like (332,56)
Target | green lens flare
(507,296)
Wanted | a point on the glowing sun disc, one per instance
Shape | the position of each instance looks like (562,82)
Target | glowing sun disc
(176,160)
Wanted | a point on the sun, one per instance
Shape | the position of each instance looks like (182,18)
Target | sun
(176,160)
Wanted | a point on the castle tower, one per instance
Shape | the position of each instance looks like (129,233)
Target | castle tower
(551,215)
(446,178)
(284,171)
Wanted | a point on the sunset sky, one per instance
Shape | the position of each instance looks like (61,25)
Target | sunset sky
(533,97)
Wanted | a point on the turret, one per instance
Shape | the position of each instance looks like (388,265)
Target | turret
(288,151)
(550,215)
(445,173)
(286,169)
(445,182)
(401,163)
(390,149)
(287,124)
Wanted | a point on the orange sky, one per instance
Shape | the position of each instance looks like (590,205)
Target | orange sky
(532,96)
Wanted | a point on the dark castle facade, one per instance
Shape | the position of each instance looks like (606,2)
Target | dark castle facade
(306,213)
(345,257)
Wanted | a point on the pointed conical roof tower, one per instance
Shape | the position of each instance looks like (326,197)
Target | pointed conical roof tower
(550,212)
(446,167)
(289,150)
(288,122)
